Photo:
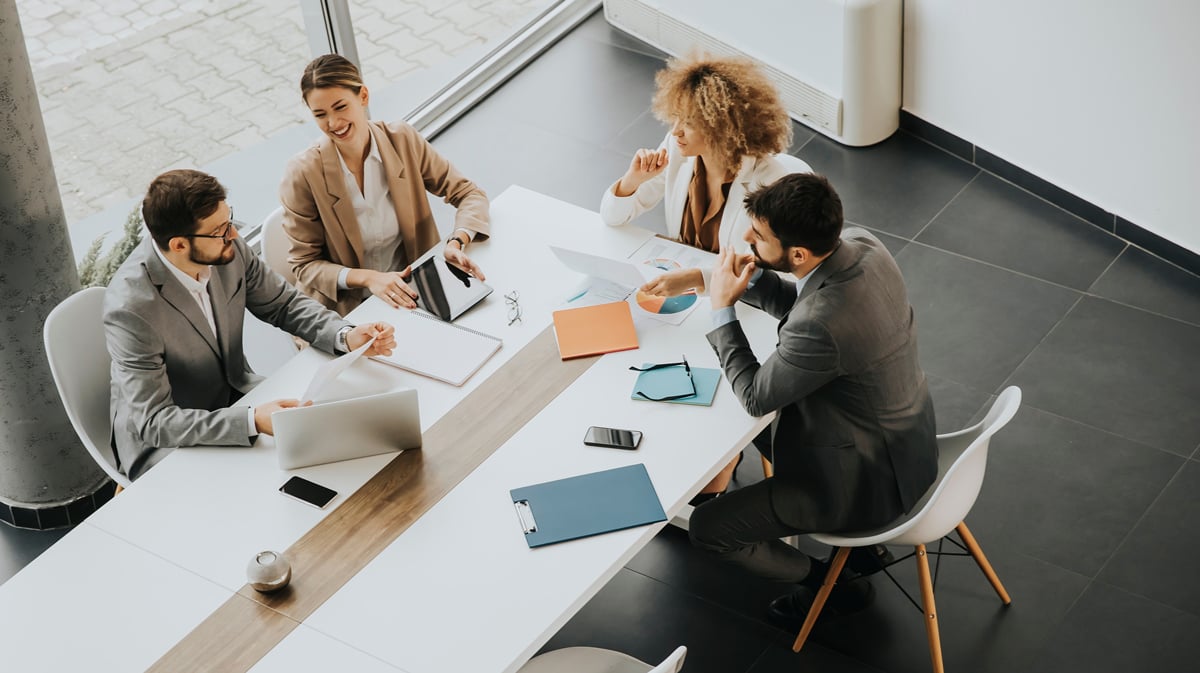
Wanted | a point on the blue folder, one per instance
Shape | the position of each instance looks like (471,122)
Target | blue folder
(671,381)
(586,505)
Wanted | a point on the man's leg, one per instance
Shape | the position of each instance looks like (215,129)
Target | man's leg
(741,527)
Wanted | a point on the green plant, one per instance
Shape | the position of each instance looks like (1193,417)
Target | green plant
(97,270)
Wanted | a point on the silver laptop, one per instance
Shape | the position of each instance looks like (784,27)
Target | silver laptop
(327,432)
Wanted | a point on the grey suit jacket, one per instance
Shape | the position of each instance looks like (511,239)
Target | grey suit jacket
(854,438)
(172,378)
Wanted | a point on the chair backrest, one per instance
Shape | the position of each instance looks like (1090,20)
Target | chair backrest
(673,663)
(275,245)
(962,460)
(81,367)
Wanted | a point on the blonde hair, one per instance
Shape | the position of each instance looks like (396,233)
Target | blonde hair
(330,70)
(729,100)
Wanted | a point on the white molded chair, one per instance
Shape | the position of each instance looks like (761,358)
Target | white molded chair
(81,367)
(596,660)
(962,460)
(275,245)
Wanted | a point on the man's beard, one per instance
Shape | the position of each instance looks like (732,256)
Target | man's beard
(219,260)
(780,265)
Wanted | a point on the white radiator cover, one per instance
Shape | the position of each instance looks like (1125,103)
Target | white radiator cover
(837,63)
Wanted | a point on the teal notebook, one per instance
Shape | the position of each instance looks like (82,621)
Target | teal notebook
(672,381)
(586,505)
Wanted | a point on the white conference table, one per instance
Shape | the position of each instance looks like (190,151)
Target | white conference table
(160,557)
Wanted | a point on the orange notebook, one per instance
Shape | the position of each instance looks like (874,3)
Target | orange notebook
(594,330)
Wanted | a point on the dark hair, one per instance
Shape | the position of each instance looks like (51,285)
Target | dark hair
(330,70)
(176,201)
(802,209)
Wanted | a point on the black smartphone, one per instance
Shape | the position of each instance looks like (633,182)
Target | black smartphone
(306,491)
(612,438)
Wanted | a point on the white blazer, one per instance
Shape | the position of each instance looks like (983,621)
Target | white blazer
(673,184)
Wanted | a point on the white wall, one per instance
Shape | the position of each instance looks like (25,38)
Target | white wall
(1101,98)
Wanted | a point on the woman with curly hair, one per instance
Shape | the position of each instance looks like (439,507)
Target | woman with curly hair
(728,136)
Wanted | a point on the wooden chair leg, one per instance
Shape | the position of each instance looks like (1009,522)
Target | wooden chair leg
(768,469)
(810,620)
(931,626)
(977,554)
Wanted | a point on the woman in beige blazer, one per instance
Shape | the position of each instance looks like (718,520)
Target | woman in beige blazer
(728,137)
(354,204)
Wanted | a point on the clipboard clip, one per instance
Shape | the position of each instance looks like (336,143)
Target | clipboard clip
(525,515)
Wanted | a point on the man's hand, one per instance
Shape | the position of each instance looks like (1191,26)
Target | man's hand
(675,283)
(645,165)
(383,334)
(730,278)
(390,286)
(455,255)
(262,414)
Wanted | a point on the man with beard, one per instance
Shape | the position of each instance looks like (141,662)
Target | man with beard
(853,441)
(173,322)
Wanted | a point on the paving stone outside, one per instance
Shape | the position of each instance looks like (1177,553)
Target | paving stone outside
(130,88)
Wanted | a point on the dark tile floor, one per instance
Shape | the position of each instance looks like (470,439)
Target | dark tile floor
(1091,505)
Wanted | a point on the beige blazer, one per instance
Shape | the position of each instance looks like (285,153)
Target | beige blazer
(318,213)
(671,187)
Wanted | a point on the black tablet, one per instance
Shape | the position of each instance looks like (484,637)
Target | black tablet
(446,290)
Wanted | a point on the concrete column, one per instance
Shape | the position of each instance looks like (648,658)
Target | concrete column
(42,463)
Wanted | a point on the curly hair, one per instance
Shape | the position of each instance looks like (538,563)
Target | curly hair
(729,100)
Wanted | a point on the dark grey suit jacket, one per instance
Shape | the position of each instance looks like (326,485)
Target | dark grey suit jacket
(172,381)
(854,439)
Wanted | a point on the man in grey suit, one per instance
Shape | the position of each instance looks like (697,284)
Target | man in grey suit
(853,441)
(173,323)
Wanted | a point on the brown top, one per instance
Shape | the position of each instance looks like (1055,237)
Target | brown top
(702,212)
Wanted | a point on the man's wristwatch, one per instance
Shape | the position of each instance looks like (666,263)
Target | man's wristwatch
(455,238)
(341,344)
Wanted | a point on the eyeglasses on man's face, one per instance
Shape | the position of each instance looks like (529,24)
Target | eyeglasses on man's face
(663,365)
(226,233)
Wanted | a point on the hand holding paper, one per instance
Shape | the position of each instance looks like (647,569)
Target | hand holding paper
(382,334)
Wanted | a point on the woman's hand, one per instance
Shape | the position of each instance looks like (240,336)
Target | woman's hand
(675,283)
(454,254)
(390,286)
(645,165)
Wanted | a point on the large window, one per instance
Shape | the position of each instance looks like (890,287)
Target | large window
(130,88)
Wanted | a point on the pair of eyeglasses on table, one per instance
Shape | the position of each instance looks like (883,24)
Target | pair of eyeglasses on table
(514,309)
(663,365)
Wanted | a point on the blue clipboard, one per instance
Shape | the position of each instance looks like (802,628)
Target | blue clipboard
(671,381)
(586,505)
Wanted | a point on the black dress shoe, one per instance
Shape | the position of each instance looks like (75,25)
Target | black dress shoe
(788,611)
(868,560)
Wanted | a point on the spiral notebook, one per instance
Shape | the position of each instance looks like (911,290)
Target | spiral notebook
(440,350)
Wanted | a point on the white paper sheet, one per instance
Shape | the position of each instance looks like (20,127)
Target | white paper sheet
(330,370)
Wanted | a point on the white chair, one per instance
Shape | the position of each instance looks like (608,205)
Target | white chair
(80,365)
(596,660)
(962,459)
(275,245)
